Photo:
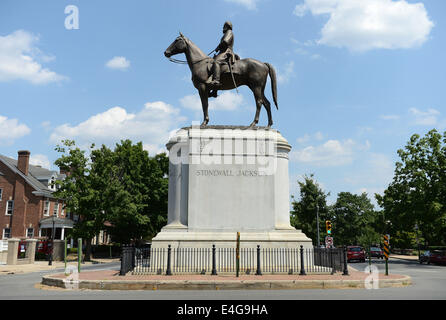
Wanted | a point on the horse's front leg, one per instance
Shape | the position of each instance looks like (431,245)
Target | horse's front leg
(203,91)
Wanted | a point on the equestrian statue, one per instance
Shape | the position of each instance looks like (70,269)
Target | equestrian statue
(225,71)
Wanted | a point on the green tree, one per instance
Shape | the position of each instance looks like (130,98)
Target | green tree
(417,194)
(354,220)
(136,190)
(304,211)
(80,193)
(122,191)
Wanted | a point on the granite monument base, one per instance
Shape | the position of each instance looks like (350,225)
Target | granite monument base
(224,180)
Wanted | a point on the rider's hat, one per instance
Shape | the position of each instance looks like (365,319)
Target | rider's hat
(228,24)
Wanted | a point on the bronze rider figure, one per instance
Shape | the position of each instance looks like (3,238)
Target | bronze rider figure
(225,53)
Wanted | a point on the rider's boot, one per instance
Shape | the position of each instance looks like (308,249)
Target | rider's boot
(216,79)
(213,94)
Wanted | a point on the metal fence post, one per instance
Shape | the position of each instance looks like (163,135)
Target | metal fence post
(345,273)
(133,253)
(259,270)
(214,267)
(122,272)
(169,270)
(333,267)
(302,264)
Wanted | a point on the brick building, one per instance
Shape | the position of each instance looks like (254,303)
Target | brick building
(28,207)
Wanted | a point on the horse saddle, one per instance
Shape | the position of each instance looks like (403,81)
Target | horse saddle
(224,66)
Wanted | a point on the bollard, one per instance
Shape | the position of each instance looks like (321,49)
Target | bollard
(345,273)
(169,270)
(302,265)
(214,267)
(259,271)
(79,254)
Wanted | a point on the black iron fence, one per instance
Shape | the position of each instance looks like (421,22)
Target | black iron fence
(168,261)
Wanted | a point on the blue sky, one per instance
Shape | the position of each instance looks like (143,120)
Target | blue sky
(356,77)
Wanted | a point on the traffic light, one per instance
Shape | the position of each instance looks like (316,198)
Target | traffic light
(328,226)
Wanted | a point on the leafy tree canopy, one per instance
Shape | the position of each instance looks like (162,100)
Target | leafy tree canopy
(417,194)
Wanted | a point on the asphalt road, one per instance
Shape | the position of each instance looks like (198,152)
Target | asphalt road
(429,282)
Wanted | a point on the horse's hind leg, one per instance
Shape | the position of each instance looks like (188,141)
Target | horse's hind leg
(267,105)
(259,101)
(202,90)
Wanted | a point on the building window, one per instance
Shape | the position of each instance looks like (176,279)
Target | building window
(1,192)
(30,233)
(46,208)
(9,207)
(56,209)
(6,233)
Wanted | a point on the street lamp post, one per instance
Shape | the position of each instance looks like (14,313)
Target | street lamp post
(418,241)
(317,222)
(50,263)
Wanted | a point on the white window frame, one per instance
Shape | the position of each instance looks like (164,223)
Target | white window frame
(1,194)
(7,206)
(56,209)
(4,233)
(45,208)
(27,233)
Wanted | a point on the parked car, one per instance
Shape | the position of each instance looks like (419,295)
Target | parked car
(425,257)
(438,257)
(376,252)
(355,253)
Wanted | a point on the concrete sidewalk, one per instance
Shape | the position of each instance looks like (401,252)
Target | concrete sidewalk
(110,280)
(43,266)
(404,257)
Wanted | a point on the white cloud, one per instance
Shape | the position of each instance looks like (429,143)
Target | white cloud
(310,137)
(376,173)
(330,154)
(287,74)
(11,129)
(428,118)
(118,63)
(226,101)
(390,117)
(370,24)
(248,4)
(40,160)
(17,60)
(151,125)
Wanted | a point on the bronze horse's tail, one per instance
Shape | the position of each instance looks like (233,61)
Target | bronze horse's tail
(272,75)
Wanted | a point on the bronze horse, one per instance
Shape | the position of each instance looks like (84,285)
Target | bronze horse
(249,72)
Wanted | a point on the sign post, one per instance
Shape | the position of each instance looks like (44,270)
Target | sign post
(237,252)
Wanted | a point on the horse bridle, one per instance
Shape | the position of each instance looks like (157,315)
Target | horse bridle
(185,62)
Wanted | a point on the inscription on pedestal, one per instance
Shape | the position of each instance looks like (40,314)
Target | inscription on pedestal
(228,173)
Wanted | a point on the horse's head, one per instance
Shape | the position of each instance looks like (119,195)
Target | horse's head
(178,46)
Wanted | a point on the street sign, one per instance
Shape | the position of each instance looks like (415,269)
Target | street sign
(386,251)
(328,242)
(386,246)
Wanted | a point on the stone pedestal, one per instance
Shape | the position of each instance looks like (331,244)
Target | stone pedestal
(13,249)
(224,180)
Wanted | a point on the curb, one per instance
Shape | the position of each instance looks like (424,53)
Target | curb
(406,259)
(220,285)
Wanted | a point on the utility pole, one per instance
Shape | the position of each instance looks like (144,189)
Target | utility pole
(317,221)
